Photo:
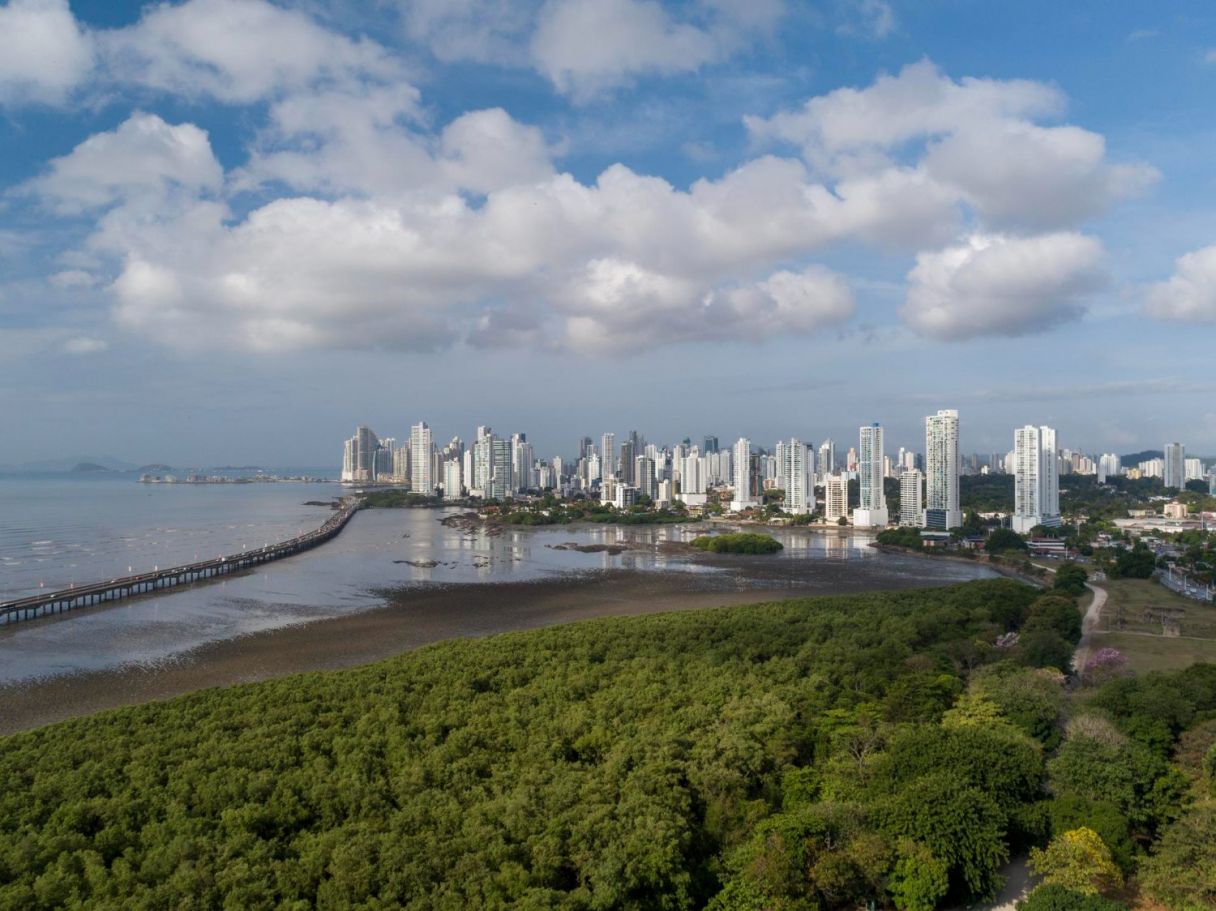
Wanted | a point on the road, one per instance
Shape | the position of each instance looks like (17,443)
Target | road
(1088,624)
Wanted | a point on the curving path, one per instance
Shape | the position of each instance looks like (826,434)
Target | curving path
(1088,624)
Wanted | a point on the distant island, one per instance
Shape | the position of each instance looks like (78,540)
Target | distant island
(88,468)
(196,478)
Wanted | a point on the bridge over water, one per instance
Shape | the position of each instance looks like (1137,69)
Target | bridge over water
(57,602)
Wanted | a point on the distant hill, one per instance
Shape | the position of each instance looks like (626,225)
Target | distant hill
(73,464)
(88,468)
(1136,458)
(153,468)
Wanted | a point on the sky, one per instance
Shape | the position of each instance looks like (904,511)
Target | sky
(231,230)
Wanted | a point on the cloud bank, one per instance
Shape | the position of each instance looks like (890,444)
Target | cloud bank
(356,221)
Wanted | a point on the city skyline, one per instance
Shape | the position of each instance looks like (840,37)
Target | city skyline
(705,210)
(929,484)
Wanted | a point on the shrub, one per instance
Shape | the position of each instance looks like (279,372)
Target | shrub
(1057,898)
(738,543)
(1003,539)
(1078,860)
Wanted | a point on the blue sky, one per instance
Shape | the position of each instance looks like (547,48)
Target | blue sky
(230,230)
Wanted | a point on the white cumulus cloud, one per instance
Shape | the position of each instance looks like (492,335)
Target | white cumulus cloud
(1189,295)
(375,228)
(44,53)
(976,139)
(993,285)
(238,51)
(143,157)
(585,47)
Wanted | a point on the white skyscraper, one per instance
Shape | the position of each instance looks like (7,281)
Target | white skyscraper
(608,455)
(872,508)
(348,460)
(941,471)
(835,497)
(421,478)
(911,497)
(1036,478)
(643,476)
(827,458)
(692,478)
(523,461)
(501,481)
(452,472)
(1175,465)
(359,456)
(483,463)
(1109,466)
(1193,470)
(796,469)
(743,476)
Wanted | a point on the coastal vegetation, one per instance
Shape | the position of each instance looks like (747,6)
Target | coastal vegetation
(737,543)
(893,748)
(901,536)
(549,510)
(395,498)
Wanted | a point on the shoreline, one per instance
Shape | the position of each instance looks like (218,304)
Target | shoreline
(1000,569)
(415,617)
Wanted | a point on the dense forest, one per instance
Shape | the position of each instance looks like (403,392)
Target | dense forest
(811,754)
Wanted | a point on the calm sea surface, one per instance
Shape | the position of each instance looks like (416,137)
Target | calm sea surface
(57,531)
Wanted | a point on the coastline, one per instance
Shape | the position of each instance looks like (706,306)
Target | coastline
(1001,569)
(414,617)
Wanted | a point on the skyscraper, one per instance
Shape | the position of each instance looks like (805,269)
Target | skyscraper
(421,478)
(692,477)
(1175,465)
(608,455)
(835,497)
(941,471)
(827,458)
(872,509)
(625,463)
(359,456)
(743,481)
(482,463)
(401,464)
(501,484)
(452,472)
(911,497)
(796,468)
(1109,466)
(348,460)
(1036,478)
(643,476)
(523,461)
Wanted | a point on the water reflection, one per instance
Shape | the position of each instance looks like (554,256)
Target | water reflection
(396,549)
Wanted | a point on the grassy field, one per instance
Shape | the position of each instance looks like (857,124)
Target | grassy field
(1154,627)
(1158,653)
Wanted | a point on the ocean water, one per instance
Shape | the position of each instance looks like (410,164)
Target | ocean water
(56,531)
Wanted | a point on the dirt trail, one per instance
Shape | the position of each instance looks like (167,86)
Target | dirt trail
(1088,624)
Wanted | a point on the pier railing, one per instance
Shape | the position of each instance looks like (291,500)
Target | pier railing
(57,602)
